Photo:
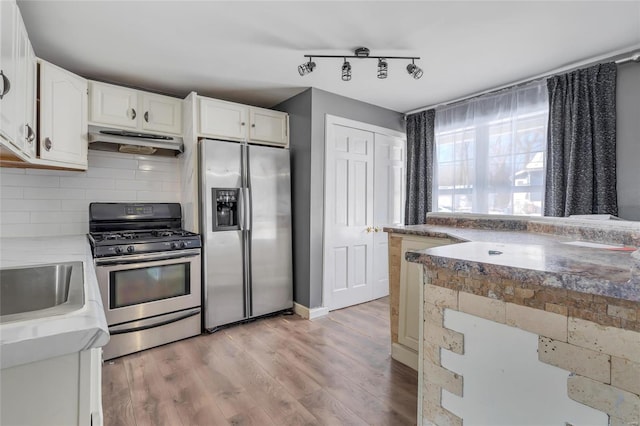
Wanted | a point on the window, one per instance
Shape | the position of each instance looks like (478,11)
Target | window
(490,153)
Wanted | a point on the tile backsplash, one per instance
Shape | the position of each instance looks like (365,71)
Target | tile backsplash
(49,202)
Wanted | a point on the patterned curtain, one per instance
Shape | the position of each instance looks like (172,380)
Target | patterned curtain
(420,145)
(581,143)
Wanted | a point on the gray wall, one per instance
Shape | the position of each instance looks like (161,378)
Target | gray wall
(307,119)
(628,141)
(299,109)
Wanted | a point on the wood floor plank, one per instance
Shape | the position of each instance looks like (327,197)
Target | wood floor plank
(150,392)
(194,402)
(254,417)
(283,370)
(330,410)
(370,325)
(291,378)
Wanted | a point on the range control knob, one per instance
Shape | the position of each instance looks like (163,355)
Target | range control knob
(118,249)
(183,244)
(174,245)
(131,249)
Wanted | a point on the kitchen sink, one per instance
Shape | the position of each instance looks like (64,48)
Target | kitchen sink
(40,291)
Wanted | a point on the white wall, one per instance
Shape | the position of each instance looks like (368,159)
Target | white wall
(46,202)
(504,383)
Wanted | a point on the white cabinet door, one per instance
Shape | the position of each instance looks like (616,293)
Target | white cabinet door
(411,281)
(161,113)
(348,248)
(113,105)
(221,119)
(388,200)
(31,94)
(8,107)
(268,126)
(24,92)
(63,115)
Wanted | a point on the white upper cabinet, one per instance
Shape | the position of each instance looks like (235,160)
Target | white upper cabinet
(113,105)
(17,84)
(231,121)
(221,119)
(8,72)
(26,93)
(161,113)
(268,126)
(63,117)
(126,108)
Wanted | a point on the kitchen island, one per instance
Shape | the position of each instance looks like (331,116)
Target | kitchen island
(51,366)
(535,324)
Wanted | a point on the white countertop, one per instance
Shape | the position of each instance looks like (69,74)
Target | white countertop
(22,342)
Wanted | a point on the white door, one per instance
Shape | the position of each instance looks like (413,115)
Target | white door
(348,248)
(161,113)
(113,105)
(63,115)
(388,199)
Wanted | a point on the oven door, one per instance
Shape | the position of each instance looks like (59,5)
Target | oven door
(142,286)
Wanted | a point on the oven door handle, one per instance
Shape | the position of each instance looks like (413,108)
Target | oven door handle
(148,323)
(150,257)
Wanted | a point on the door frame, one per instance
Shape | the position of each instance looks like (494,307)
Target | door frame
(330,122)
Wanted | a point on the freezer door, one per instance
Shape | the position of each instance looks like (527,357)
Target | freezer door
(269,224)
(223,251)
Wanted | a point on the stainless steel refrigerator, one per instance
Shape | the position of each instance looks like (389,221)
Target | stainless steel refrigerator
(245,198)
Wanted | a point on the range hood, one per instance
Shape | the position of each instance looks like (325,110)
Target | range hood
(133,142)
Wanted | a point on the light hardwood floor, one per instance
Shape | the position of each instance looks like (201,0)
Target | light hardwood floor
(277,371)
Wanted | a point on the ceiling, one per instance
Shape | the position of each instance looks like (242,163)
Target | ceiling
(248,52)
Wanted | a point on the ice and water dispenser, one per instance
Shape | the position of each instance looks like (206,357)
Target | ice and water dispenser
(226,212)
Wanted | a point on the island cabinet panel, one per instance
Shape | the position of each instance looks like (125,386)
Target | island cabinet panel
(405,286)
(64,390)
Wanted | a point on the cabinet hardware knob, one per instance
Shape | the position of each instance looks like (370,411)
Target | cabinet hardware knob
(47,144)
(253,125)
(146,116)
(133,114)
(31,135)
(242,124)
(6,84)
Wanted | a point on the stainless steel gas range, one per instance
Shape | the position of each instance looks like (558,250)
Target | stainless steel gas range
(149,274)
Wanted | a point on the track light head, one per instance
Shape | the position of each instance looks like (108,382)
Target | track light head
(346,71)
(414,70)
(306,68)
(383,68)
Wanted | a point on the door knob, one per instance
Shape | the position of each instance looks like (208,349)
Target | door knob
(376,229)
(369,229)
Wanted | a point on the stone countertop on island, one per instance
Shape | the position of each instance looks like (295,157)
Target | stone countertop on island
(23,342)
(592,283)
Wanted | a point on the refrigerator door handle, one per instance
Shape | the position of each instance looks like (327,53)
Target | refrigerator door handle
(241,209)
(248,219)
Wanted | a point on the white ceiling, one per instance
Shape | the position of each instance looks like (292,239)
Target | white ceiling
(249,51)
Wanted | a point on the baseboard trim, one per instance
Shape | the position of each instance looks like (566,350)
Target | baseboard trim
(404,355)
(310,314)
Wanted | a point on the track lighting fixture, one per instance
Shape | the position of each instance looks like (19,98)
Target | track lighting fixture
(383,67)
(307,67)
(362,53)
(414,70)
(346,70)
